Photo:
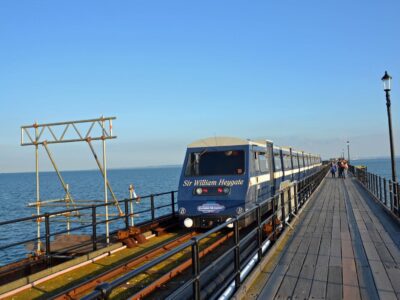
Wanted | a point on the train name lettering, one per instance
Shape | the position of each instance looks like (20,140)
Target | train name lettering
(207,182)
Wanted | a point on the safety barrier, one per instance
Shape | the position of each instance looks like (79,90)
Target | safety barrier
(244,253)
(385,190)
(89,219)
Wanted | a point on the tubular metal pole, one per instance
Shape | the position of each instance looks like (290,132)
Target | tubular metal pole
(68,218)
(59,174)
(392,154)
(37,185)
(101,168)
(131,203)
(105,184)
(348,152)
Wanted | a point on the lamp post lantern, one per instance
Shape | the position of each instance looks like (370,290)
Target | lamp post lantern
(348,152)
(386,87)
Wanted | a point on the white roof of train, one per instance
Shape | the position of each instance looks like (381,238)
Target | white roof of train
(220,141)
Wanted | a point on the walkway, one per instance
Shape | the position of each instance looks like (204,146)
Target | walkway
(346,246)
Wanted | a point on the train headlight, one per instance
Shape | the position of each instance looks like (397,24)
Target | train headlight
(182,211)
(199,191)
(229,225)
(188,222)
(239,210)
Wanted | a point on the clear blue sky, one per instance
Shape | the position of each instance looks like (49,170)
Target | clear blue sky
(303,73)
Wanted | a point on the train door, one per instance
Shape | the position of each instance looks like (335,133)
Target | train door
(292,163)
(278,172)
(270,158)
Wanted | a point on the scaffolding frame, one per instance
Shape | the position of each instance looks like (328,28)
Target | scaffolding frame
(33,135)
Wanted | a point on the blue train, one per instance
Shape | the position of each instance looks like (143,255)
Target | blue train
(222,177)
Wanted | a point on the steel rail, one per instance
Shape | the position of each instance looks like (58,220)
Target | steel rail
(178,270)
(89,284)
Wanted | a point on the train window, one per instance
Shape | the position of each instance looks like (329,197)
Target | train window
(215,163)
(277,160)
(301,163)
(295,161)
(287,162)
(256,164)
(262,159)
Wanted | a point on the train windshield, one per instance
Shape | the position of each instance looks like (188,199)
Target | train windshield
(206,163)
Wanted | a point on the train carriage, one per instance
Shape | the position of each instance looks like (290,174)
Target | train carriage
(222,177)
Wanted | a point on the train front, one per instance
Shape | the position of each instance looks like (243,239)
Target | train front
(213,185)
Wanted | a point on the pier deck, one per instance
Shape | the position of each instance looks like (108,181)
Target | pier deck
(345,246)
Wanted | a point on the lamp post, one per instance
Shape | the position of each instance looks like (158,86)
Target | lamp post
(386,87)
(348,152)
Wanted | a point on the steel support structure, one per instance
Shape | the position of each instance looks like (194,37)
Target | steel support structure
(100,129)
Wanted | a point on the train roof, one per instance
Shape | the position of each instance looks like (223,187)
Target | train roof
(224,141)
(221,141)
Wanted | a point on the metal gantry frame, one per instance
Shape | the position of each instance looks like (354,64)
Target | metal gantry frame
(35,135)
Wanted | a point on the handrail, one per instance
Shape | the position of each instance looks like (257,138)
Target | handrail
(92,226)
(386,191)
(303,190)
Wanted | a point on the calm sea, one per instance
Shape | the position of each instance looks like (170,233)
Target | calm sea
(19,189)
(379,166)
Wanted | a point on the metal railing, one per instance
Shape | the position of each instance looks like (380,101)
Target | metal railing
(243,254)
(91,225)
(385,190)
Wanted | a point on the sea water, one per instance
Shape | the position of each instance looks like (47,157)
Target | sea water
(19,189)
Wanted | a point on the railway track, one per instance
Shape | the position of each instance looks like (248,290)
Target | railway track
(169,273)
(83,288)
(145,284)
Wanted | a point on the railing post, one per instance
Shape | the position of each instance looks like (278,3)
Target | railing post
(237,253)
(296,205)
(283,209)
(274,217)
(371,186)
(196,269)
(259,232)
(173,202)
(289,202)
(391,194)
(372,183)
(126,214)
(385,191)
(396,203)
(152,207)
(375,189)
(380,189)
(47,228)
(94,228)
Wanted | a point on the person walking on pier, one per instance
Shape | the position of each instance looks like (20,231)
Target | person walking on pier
(333,170)
(340,167)
(345,167)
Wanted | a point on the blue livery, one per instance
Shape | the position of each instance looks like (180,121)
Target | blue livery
(223,177)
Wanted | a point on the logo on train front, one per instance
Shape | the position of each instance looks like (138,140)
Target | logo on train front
(210,207)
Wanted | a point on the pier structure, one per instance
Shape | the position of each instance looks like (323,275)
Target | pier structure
(327,238)
(100,129)
(346,245)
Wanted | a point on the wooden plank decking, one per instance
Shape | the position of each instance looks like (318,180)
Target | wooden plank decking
(346,247)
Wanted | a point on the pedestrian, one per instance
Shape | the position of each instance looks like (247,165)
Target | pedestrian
(340,167)
(333,170)
(345,167)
